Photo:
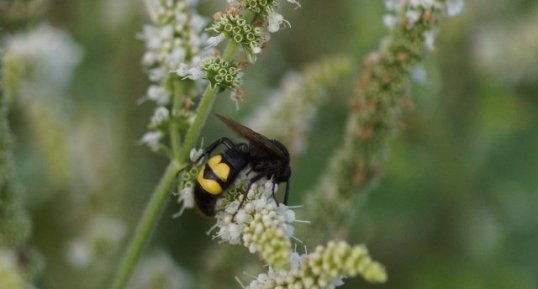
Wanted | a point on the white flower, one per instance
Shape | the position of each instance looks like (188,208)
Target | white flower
(429,40)
(324,268)
(195,73)
(49,54)
(152,139)
(426,4)
(159,270)
(192,71)
(186,185)
(11,275)
(158,94)
(183,70)
(160,115)
(195,154)
(185,199)
(215,40)
(394,5)
(79,254)
(390,20)
(198,22)
(102,237)
(274,21)
(149,58)
(419,75)
(412,16)
(260,225)
(454,7)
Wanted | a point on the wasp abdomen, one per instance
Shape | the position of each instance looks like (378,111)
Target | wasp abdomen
(217,175)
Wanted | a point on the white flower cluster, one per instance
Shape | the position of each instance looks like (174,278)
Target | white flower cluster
(177,33)
(10,275)
(413,11)
(260,224)
(174,38)
(507,51)
(325,268)
(39,63)
(159,270)
(101,238)
(266,8)
(290,111)
(233,24)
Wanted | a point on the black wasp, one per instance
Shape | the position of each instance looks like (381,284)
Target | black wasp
(267,158)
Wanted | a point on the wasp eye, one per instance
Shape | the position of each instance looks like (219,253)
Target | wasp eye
(284,175)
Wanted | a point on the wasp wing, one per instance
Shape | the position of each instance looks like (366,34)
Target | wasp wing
(252,136)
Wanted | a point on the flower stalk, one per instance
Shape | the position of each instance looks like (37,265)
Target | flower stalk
(161,193)
(375,110)
(180,150)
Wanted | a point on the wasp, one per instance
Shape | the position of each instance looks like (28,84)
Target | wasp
(268,158)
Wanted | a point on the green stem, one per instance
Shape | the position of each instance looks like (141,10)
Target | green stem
(146,225)
(160,195)
(208,99)
(174,130)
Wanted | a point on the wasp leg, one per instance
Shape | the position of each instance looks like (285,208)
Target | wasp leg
(245,193)
(274,197)
(187,166)
(287,193)
(210,148)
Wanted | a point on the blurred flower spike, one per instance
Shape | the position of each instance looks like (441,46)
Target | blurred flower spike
(102,237)
(419,12)
(175,38)
(325,268)
(39,64)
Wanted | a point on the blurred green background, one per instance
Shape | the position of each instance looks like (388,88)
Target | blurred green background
(457,206)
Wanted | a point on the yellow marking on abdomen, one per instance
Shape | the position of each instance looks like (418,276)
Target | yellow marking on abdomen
(220,169)
(210,186)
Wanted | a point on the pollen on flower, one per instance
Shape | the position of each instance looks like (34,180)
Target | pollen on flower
(325,268)
(260,224)
(262,7)
(221,73)
(235,27)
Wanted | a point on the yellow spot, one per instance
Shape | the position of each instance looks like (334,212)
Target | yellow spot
(220,169)
(209,186)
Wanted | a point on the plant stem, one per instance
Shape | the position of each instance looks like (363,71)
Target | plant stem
(160,195)
(146,225)
(175,140)
(208,99)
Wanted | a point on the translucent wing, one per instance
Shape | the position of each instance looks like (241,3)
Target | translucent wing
(252,136)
